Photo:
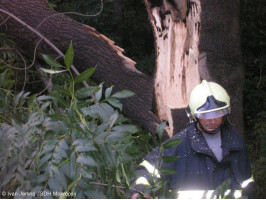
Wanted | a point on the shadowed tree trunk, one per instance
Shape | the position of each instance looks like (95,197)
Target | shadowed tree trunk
(194,40)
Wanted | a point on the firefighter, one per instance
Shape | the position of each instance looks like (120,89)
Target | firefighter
(210,153)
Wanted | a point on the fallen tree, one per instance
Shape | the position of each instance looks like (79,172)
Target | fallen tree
(194,40)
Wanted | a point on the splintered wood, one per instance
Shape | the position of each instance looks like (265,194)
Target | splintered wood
(177,52)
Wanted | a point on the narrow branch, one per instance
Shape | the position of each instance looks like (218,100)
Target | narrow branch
(4,21)
(25,78)
(20,55)
(260,76)
(25,64)
(44,38)
(74,13)
(5,119)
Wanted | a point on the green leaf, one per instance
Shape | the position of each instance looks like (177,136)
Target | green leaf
(100,129)
(54,185)
(84,75)
(87,92)
(108,92)
(113,119)
(86,160)
(123,94)
(98,94)
(44,98)
(17,98)
(104,111)
(61,179)
(117,176)
(8,176)
(69,56)
(52,71)
(172,143)
(85,148)
(50,61)
(44,159)
(86,174)
(61,153)
(124,174)
(125,128)
(22,171)
(116,137)
(72,164)
(167,171)
(47,149)
(109,156)
(160,130)
(115,102)
(169,159)
(63,145)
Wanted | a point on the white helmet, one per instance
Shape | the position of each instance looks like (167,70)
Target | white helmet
(209,100)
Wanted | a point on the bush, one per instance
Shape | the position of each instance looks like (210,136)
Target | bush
(73,143)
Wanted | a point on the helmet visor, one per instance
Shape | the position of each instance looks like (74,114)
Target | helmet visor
(212,114)
(212,109)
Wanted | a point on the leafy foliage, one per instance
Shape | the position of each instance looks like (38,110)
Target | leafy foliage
(72,143)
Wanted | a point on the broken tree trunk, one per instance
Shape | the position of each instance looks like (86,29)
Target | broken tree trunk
(195,40)
(91,49)
(176,30)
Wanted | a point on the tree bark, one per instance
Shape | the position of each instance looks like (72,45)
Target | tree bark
(194,40)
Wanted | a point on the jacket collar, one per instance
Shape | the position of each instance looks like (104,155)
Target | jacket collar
(230,141)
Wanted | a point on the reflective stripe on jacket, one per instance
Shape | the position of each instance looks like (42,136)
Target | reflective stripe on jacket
(197,167)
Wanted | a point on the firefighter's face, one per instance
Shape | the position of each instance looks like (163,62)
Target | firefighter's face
(211,124)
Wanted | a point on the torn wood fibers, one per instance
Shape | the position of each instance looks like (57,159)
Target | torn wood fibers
(176,27)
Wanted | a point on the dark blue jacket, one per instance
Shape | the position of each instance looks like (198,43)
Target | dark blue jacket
(197,167)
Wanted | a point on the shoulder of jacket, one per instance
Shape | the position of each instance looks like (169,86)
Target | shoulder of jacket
(185,132)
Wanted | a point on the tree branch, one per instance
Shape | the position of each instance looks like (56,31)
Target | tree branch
(42,37)
(74,13)
(5,119)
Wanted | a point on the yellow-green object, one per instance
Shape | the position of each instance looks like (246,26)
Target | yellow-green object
(209,100)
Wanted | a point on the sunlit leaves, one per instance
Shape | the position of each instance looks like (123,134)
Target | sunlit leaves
(52,71)
(108,92)
(123,94)
(50,61)
(84,75)
(69,56)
